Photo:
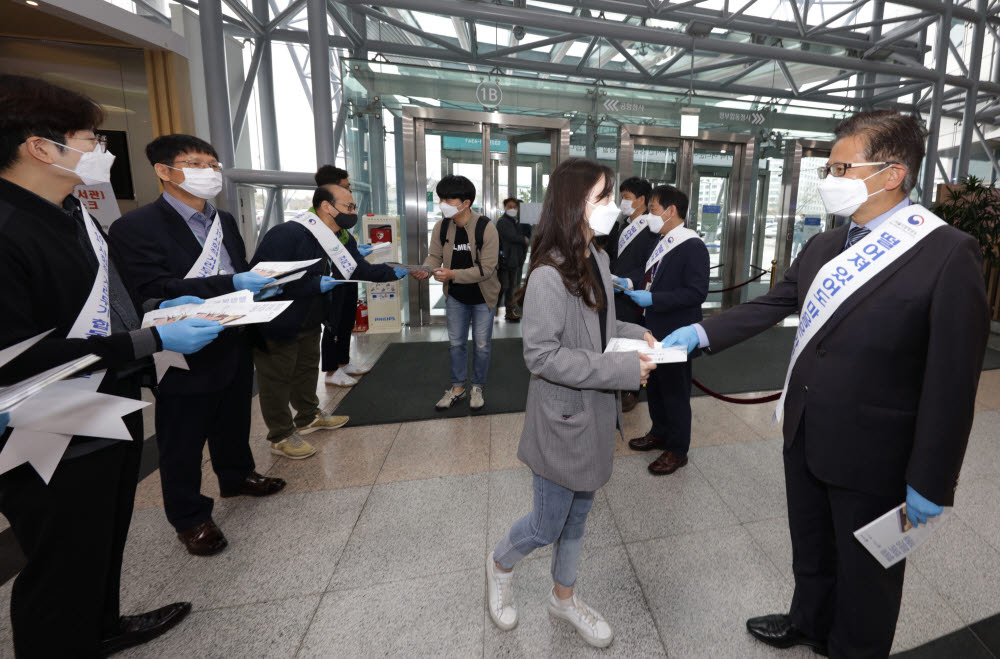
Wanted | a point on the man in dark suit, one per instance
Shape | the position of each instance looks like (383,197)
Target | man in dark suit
(514,249)
(60,277)
(880,400)
(670,293)
(629,244)
(167,250)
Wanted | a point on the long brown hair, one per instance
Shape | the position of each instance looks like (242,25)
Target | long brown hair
(559,239)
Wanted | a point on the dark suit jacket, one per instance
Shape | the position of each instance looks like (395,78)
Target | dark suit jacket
(631,263)
(679,288)
(887,387)
(293,242)
(157,250)
(511,243)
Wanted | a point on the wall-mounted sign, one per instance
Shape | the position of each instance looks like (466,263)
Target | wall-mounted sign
(752,118)
(616,105)
(489,94)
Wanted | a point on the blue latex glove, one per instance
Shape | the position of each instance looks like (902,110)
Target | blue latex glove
(642,298)
(4,420)
(621,282)
(184,299)
(919,509)
(268,293)
(400,272)
(188,336)
(326,284)
(365,249)
(250,281)
(685,336)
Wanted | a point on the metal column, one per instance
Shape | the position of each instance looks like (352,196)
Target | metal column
(274,205)
(937,100)
(788,208)
(220,123)
(974,63)
(489,202)
(319,68)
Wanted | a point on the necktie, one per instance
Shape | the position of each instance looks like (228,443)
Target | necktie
(856,234)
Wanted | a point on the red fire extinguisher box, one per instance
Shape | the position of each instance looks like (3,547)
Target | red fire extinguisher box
(381,233)
(361,317)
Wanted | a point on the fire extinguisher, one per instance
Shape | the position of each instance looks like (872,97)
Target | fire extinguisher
(361,317)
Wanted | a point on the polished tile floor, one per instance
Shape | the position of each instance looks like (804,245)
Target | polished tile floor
(376,547)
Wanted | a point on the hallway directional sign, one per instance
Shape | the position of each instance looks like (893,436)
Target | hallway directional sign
(752,118)
(617,105)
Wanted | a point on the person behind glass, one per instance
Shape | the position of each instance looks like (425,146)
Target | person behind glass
(572,404)
(673,288)
(630,244)
(288,363)
(514,248)
(338,326)
(65,601)
(467,266)
(181,245)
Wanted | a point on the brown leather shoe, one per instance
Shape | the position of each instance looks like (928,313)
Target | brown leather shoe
(667,463)
(646,443)
(206,539)
(256,485)
(629,401)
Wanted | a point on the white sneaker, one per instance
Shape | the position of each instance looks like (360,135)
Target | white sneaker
(450,398)
(353,370)
(589,624)
(500,595)
(477,401)
(340,379)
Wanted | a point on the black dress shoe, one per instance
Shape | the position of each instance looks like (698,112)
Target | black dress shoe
(777,630)
(646,443)
(666,464)
(136,630)
(206,539)
(256,485)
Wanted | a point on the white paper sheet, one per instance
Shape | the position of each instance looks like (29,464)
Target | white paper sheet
(659,354)
(278,268)
(15,394)
(230,310)
(284,280)
(891,537)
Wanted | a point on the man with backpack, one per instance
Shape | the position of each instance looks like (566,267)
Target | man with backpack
(464,249)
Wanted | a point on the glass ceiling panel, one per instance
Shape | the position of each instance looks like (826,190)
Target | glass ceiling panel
(440,26)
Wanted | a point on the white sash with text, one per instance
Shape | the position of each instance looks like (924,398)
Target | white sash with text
(328,240)
(668,243)
(209,259)
(847,272)
(630,231)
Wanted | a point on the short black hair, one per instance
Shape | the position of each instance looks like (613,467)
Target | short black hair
(330,175)
(456,187)
(506,201)
(165,148)
(889,135)
(31,107)
(322,193)
(668,195)
(640,187)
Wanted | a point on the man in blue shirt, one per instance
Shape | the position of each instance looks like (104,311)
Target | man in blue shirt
(182,245)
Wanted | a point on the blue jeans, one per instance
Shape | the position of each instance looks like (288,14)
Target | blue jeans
(558,516)
(460,316)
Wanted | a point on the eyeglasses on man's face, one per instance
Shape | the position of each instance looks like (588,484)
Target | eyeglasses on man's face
(197,164)
(838,169)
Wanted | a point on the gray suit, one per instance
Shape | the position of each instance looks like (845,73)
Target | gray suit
(573,398)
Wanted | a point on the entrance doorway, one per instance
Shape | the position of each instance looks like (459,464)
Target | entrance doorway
(503,155)
(715,171)
(802,214)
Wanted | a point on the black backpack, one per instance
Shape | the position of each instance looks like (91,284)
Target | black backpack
(480,234)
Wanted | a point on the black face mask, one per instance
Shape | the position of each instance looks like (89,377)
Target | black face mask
(346,221)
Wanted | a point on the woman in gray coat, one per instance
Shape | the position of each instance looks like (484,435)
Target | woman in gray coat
(573,397)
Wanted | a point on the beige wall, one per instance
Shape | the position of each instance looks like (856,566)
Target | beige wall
(113,76)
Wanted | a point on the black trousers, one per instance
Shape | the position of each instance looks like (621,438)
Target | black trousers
(183,424)
(669,394)
(842,594)
(510,281)
(72,531)
(336,344)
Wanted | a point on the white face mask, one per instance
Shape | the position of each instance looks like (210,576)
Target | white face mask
(602,218)
(202,183)
(626,207)
(511,212)
(93,167)
(844,196)
(654,222)
(448,210)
